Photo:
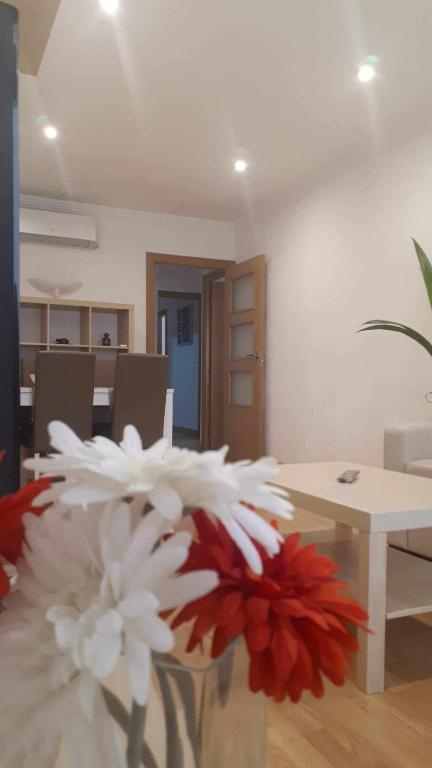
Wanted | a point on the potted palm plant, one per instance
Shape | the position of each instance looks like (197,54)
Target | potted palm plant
(390,325)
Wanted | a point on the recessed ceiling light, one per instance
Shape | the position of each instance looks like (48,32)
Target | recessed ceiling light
(366,73)
(109,6)
(240,166)
(50,132)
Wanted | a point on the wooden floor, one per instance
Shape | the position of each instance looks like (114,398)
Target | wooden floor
(347,729)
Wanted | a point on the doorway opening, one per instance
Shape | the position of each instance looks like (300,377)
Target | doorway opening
(182,323)
(179,337)
(209,316)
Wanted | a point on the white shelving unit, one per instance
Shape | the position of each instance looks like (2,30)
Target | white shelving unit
(42,321)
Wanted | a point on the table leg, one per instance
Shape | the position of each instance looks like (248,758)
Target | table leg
(372,583)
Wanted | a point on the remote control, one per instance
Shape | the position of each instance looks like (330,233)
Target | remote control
(349,476)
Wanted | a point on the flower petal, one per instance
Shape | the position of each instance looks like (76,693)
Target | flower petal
(185,589)
(152,631)
(138,658)
(248,549)
(106,644)
(137,604)
(131,442)
(258,529)
(167,501)
(63,439)
(161,564)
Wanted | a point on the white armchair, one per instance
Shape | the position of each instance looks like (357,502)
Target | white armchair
(408,448)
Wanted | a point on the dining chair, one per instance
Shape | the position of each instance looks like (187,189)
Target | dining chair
(139,398)
(64,390)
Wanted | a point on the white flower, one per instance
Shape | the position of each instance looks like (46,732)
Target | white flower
(103,583)
(170,480)
(42,700)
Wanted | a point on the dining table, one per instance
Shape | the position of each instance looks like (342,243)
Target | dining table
(103,398)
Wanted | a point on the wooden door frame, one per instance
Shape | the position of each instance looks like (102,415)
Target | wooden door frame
(205,367)
(153,260)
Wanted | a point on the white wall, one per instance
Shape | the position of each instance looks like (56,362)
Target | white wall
(337,258)
(116,272)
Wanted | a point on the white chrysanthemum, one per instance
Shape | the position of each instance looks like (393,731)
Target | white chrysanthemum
(103,583)
(45,701)
(170,480)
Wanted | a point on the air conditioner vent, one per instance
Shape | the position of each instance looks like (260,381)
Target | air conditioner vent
(52,227)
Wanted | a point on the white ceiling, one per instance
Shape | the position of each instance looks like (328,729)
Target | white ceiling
(154,105)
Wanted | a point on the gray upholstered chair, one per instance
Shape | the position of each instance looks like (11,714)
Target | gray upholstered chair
(139,398)
(408,448)
(64,390)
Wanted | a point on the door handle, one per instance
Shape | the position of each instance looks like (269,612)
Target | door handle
(256,356)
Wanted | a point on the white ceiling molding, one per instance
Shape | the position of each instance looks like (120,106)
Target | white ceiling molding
(36,18)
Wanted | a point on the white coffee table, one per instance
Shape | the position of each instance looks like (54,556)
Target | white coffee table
(390,583)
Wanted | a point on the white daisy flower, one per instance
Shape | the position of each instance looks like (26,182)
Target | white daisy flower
(103,584)
(170,480)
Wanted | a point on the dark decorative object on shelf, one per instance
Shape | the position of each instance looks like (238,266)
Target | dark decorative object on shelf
(106,340)
(184,326)
(63,340)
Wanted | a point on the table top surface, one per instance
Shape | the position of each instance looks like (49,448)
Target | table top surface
(26,390)
(379,500)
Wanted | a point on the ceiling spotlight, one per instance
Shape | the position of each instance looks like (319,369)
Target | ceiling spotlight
(366,73)
(50,132)
(109,6)
(240,166)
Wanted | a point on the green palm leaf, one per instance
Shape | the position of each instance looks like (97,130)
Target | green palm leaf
(426,268)
(386,325)
(389,325)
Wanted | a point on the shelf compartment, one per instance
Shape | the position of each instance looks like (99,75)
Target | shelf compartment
(70,322)
(34,323)
(409,577)
(104,320)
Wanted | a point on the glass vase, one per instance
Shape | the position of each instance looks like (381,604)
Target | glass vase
(201,713)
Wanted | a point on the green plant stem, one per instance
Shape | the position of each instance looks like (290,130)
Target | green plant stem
(186,689)
(120,714)
(174,748)
(136,735)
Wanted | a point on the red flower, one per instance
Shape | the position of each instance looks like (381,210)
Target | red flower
(12,509)
(295,617)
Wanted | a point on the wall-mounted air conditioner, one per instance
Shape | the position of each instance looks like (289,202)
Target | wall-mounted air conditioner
(55,228)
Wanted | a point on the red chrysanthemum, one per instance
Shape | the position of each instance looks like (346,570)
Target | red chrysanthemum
(295,618)
(12,509)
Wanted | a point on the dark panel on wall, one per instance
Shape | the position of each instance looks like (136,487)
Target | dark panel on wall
(9,264)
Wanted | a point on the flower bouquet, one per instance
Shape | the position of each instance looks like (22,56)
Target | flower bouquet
(116,553)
